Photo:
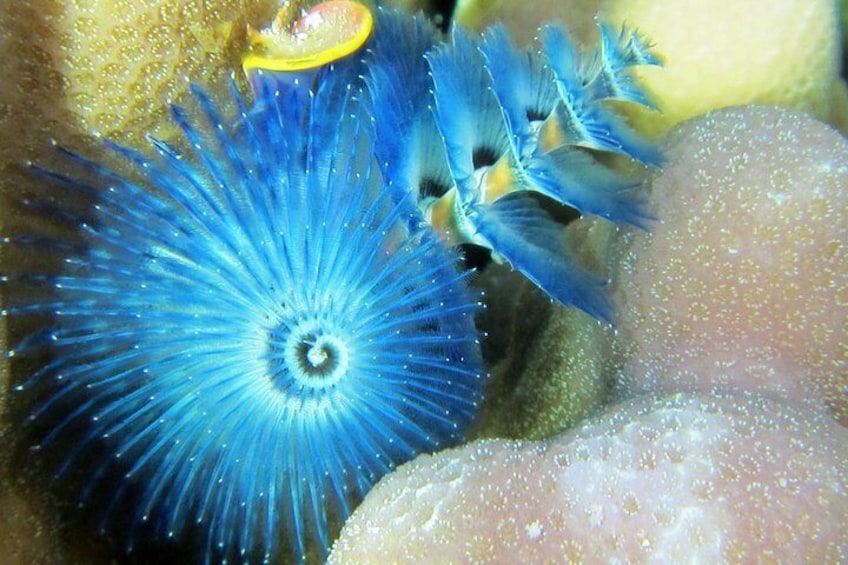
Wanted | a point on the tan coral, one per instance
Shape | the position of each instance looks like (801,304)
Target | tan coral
(29,535)
(523,18)
(110,66)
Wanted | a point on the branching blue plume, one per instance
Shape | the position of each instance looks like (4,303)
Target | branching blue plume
(468,114)
(514,121)
(407,144)
(530,100)
(483,156)
(253,333)
(618,55)
(585,83)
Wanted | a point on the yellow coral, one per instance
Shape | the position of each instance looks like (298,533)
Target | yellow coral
(78,66)
(725,52)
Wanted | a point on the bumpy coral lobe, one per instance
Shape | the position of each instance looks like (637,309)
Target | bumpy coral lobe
(726,478)
(108,66)
(744,283)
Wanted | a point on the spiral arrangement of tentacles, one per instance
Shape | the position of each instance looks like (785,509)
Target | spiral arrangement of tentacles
(257,329)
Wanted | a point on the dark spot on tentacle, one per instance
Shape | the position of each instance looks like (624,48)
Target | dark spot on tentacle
(484,157)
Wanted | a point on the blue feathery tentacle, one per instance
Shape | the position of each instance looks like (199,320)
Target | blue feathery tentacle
(525,89)
(519,231)
(255,331)
(408,149)
(573,176)
(528,95)
(473,117)
(467,113)
(582,119)
(619,54)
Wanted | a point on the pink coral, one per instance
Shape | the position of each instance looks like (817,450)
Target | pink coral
(743,283)
(728,478)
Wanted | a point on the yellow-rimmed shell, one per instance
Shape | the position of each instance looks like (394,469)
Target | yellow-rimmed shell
(327,32)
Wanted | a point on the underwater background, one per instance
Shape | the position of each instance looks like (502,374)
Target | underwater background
(112,68)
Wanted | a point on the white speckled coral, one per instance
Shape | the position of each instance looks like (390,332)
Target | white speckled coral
(743,283)
(722,478)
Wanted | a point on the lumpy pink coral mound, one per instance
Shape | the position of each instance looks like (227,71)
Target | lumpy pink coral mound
(743,281)
(724,478)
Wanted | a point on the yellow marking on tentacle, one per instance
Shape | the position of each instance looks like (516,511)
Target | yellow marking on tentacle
(441,213)
(499,180)
(550,134)
(448,218)
(328,32)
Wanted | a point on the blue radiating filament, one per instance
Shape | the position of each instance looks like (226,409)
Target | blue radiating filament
(258,328)
(255,331)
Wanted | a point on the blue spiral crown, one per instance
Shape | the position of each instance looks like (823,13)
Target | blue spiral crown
(257,329)
(254,331)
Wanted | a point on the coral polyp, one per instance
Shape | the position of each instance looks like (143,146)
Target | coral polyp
(253,332)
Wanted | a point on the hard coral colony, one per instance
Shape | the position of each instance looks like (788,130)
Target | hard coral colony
(258,329)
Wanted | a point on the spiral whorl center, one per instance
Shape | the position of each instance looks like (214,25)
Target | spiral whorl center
(310,354)
(318,356)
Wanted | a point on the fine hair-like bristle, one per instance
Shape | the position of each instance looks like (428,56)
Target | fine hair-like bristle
(256,324)
(255,332)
